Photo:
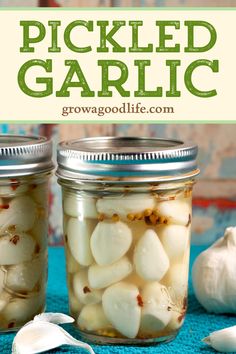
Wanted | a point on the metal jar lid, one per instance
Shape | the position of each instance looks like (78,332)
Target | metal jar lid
(126,157)
(24,155)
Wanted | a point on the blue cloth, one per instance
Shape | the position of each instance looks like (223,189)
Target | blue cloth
(198,323)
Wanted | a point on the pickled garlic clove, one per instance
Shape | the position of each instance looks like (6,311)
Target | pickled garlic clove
(175,211)
(150,259)
(41,336)
(21,310)
(4,300)
(75,305)
(121,307)
(53,317)
(110,241)
(177,320)
(40,194)
(177,280)
(78,235)
(223,340)
(24,276)
(155,311)
(175,239)
(21,213)
(40,233)
(102,276)
(15,187)
(16,248)
(92,318)
(2,279)
(71,265)
(125,205)
(77,208)
(83,291)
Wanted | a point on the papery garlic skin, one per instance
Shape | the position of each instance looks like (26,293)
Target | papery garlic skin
(213,275)
(223,340)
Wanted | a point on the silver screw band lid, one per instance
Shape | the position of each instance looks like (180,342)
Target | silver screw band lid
(24,155)
(103,157)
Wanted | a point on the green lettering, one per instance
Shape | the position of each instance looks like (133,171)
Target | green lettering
(213,65)
(163,36)
(135,45)
(173,92)
(27,39)
(54,48)
(118,83)
(75,69)
(213,36)
(108,37)
(141,64)
(47,65)
(67,35)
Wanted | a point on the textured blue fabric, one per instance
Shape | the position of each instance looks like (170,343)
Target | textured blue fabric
(198,323)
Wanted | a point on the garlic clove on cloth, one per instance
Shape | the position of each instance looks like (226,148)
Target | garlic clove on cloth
(40,336)
(223,340)
(214,277)
(56,318)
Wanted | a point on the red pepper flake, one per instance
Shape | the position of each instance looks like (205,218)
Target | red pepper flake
(37,248)
(140,300)
(11,325)
(14,184)
(15,239)
(33,186)
(86,290)
(4,206)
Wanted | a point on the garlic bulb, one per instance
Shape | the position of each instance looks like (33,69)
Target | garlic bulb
(223,340)
(214,277)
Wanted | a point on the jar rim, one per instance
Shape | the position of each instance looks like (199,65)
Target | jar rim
(23,155)
(120,157)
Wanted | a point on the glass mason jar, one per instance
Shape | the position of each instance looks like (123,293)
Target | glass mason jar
(25,168)
(127,220)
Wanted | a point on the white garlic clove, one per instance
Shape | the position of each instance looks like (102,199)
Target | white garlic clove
(124,205)
(84,293)
(4,300)
(78,235)
(92,318)
(77,208)
(71,265)
(223,340)
(75,305)
(19,310)
(40,194)
(177,320)
(41,336)
(16,248)
(40,233)
(175,240)
(16,187)
(175,211)
(21,213)
(156,312)
(2,279)
(150,259)
(213,275)
(177,281)
(110,241)
(102,276)
(121,307)
(53,317)
(24,276)
(134,278)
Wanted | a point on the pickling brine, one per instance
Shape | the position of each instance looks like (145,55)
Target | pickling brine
(127,245)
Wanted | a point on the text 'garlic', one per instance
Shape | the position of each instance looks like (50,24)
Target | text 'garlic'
(43,334)
(223,340)
(214,277)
